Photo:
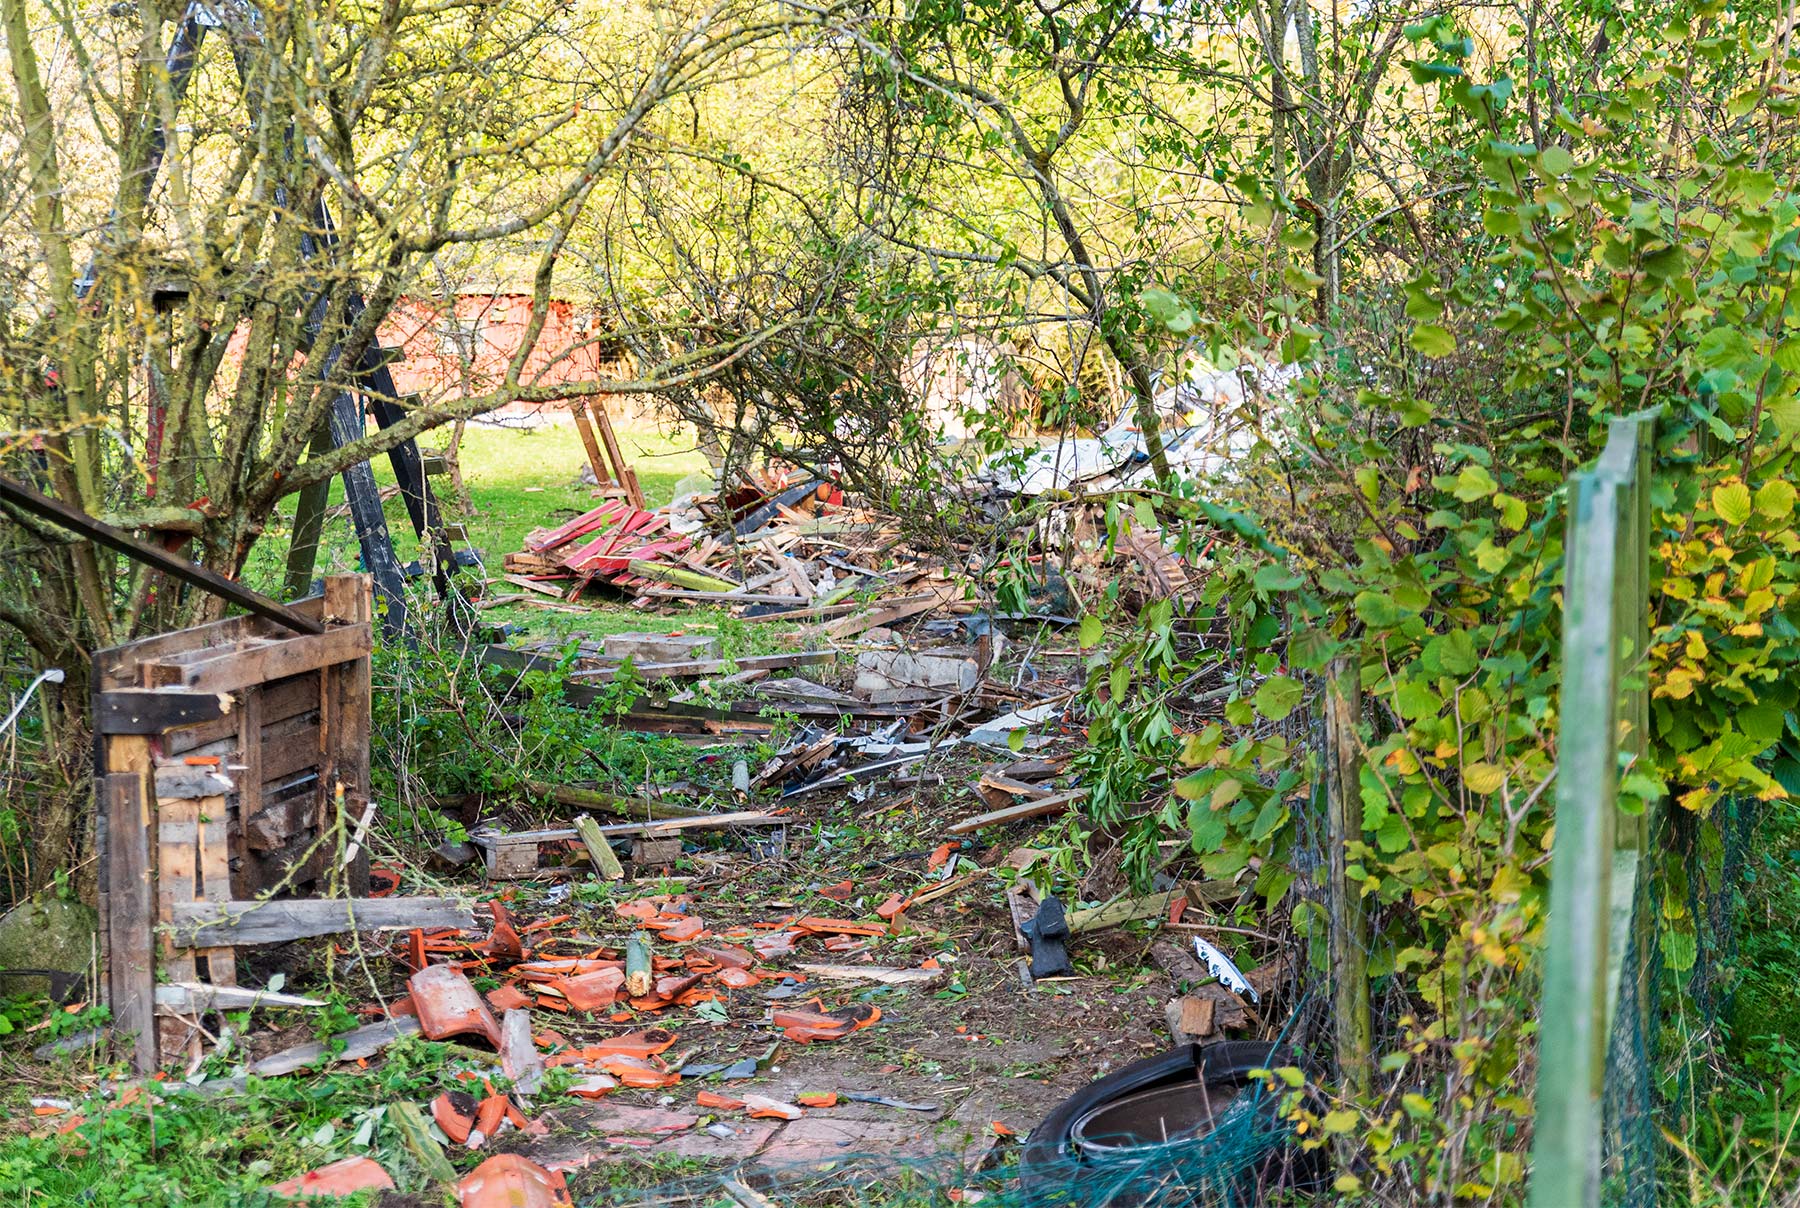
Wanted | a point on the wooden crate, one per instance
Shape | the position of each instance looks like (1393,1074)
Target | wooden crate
(223,756)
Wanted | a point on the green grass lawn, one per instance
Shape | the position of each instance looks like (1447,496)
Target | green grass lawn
(521,479)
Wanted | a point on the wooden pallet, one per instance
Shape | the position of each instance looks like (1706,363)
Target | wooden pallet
(224,751)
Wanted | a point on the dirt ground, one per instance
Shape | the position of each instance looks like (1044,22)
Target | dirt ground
(987,1054)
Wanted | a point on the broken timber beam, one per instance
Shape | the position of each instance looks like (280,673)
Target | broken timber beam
(699,667)
(1053,804)
(227,924)
(173,565)
(623,807)
(154,710)
(598,849)
(1150,906)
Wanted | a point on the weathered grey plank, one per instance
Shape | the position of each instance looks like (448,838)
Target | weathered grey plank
(217,924)
(365,1041)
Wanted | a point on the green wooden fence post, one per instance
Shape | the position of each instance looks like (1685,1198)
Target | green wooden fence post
(1594,867)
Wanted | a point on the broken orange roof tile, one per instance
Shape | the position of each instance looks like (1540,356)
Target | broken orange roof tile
(593,1086)
(678,930)
(338,1179)
(505,942)
(823,926)
(638,1073)
(763,1108)
(544,924)
(454,1112)
(508,1180)
(507,998)
(647,1043)
(891,909)
(488,1119)
(726,956)
(449,1006)
(817,1099)
(676,984)
(843,891)
(938,857)
(736,979)
(594,991)
(714,1099)
(805,1024)
(641,910)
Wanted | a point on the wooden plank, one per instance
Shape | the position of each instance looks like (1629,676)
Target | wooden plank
(1567,1136)
(598,849)
(887,614)
(214,864)
(186,998)
(203,924)
(1348,940)
(348,693)
(176,567)
(177,867)
(611,803)
(678,575)
(365,1041)
(626,476)
(186,782)
(1054,804)
(698,667)
(596,462)
(249,801)
(131,962)
(290,746)
(155,710)
(721,597)
(364,498)
(237,669)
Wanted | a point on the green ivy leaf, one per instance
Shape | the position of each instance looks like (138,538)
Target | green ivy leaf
(1092,630)
(1428,339)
